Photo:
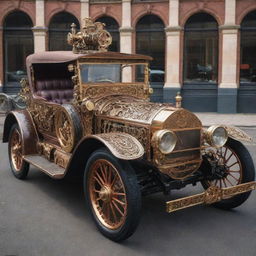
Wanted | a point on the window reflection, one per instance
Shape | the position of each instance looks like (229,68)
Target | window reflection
(248,49)
(58,30)
(201,49)
(18,44)
(150,40)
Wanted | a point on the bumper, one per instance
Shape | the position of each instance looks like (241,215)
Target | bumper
(212,195)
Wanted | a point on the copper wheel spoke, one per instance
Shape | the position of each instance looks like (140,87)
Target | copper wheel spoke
(233,177)
(118,209)
(232,164)
(229,181)
(224,182)
(113,212)
(229,157)
(120,202)
(107,194)
(233,171)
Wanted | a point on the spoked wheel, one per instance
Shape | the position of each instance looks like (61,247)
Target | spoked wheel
(112,194)
(18,166)
(238,168)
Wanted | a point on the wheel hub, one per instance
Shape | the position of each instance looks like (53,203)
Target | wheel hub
(105,194)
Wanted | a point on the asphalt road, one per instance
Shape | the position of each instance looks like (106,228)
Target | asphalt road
(41,216)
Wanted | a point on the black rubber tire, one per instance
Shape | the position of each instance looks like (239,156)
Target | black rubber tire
(247,175)
(23,172)
(133,196)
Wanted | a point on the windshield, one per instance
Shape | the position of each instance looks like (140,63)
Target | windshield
(112,73)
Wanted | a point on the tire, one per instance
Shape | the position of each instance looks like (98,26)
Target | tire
(247,173)
(117,225)
(19,167)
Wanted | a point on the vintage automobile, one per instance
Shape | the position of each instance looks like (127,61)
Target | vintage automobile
(88,115)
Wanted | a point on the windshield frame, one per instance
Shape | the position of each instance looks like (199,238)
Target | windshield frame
(121,62)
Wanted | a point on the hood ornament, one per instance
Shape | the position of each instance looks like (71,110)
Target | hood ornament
(92,37)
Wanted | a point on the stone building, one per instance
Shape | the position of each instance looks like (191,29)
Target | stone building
(204,48)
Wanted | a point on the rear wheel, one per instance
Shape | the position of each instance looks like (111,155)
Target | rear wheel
(112,194)
(19,167)
(239,168)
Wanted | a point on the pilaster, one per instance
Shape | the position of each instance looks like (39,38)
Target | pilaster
(85,7)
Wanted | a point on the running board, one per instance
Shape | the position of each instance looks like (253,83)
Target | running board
(212,195)
(51,169)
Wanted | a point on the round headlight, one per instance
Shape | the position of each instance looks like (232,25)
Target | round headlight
(217,136)
(166,140)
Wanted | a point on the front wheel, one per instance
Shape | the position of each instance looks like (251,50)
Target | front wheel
(239,168)
(112,194)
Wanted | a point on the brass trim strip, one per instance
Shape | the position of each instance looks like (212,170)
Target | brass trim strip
(212,195)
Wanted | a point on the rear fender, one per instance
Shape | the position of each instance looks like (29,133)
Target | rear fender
(27,128)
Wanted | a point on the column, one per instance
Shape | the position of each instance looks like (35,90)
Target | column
(173,34)
(126,36)
(227,91)
(39,29)
(84,10)
(1,60)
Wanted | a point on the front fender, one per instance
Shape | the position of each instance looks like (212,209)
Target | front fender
(237,134)
(121,145)
(27,128)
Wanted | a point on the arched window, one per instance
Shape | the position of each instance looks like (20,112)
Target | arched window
(201,49)
(113,28)
(59,27)
(18,44)
(150,40)
(248,49)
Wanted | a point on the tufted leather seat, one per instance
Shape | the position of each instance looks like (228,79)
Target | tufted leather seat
(59,90)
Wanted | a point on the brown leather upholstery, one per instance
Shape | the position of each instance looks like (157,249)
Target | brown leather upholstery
(56,90)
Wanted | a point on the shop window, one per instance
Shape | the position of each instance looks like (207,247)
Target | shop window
(113,28)
(59,27)
(18,44)
(150,40)
(201,49)
(248,50)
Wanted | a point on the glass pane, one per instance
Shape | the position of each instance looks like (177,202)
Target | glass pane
(201,21)
(58,30)
(249,20)
(100,73)
(18,19)
(113,28)
(17,48)
(248,57)
(150,40)
(201,56)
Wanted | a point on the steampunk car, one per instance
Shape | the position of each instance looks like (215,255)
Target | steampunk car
(88,114)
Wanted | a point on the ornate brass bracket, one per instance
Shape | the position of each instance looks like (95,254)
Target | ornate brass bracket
(212,195)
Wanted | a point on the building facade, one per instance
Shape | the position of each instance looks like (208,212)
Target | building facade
(204,48)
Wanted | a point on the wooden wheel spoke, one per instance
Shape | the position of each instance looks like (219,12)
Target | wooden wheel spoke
(99,182)
(229,157)
(102,170)
(224,182)
(118,194)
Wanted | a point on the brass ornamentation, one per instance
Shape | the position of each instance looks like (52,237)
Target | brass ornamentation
(64,130)
(237,134)
(25,92)
(61,158)
(46,149)
(92,37)
(210,196)
(122,145)
(77,91)
(178,100)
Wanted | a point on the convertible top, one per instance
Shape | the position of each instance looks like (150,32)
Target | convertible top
(68,56)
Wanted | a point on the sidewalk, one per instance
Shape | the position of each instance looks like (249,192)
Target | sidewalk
(241,120)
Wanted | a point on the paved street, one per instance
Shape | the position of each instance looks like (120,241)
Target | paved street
(41,216)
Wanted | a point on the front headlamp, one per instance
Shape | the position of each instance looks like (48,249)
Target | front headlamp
(165,141)
(216,136)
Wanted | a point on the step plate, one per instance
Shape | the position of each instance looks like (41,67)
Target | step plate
(46,166)
(212,195)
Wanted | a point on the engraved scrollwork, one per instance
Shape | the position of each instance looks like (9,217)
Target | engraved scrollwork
(123,145)
(237,133)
